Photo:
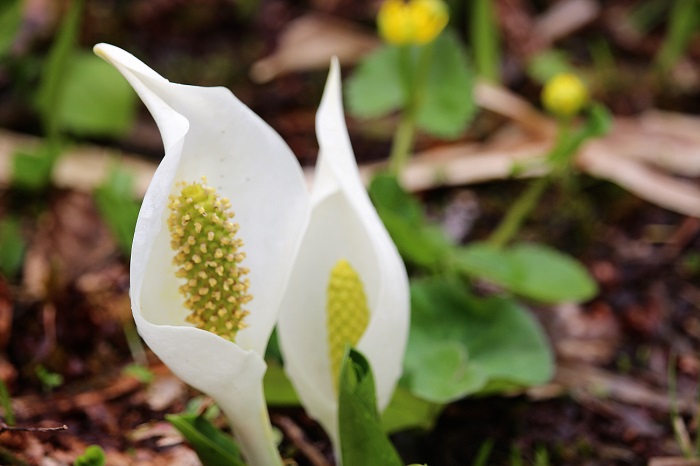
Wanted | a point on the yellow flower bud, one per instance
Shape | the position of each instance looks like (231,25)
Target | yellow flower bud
(414,22)
(564,95)
(429,18)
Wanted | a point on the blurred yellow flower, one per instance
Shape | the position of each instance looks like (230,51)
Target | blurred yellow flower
(564,95)
(415,22)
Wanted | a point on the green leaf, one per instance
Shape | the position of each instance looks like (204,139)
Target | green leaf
(417,241)
(94,455)
(447,105)
(31,170)
(10,22)
(49,93)
(213,447)
(49,380)
(12,246)
(445,373)
(362,438)
(118,207)
(599,121)
(140,372)
(375,88)
(96,100)
(485,39)
(460,344)
(547,64)
(533,271)
(682,25)
(407,411)
(279,391)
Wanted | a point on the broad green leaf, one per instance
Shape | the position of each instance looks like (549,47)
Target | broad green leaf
(533,271)
(460,344)
(213,447)
(94,455)
(118,207)
(96,100)
(11,246)
(407,411)
(418,241)
(549,275)
(362,437)
(375,88)
(447,104)
(442,372)
(278,389)
(10,22)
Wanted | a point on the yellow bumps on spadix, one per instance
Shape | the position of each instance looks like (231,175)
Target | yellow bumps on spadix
(208,256)
(347,313)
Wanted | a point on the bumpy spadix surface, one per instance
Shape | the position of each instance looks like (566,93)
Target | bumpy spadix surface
(347,313)
(208,256)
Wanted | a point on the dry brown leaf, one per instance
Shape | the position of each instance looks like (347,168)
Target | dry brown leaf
(600,160)
(309,43)
(164,392)
(674,461)
(589,335)
(30,406)
(592,381)
(565,17)
(502,101)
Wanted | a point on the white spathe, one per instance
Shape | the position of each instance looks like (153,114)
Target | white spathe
(209,132)
(343,225)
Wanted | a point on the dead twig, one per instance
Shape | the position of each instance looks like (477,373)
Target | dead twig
(31,406)
(7,428)
(294,433)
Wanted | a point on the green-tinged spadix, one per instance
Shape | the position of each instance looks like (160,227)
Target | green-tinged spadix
(208,256)
(347,313)
(190,280)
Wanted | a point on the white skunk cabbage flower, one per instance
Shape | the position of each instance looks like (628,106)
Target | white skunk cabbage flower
(349,284)
(205,287)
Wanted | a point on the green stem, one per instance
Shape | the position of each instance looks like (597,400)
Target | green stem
(6,404)
(134,342)
(516,215)
(403,142)
(414,76)
(558,159)
(697,419)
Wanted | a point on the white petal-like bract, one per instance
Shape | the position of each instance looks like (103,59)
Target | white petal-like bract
(207,132)
(343,225)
